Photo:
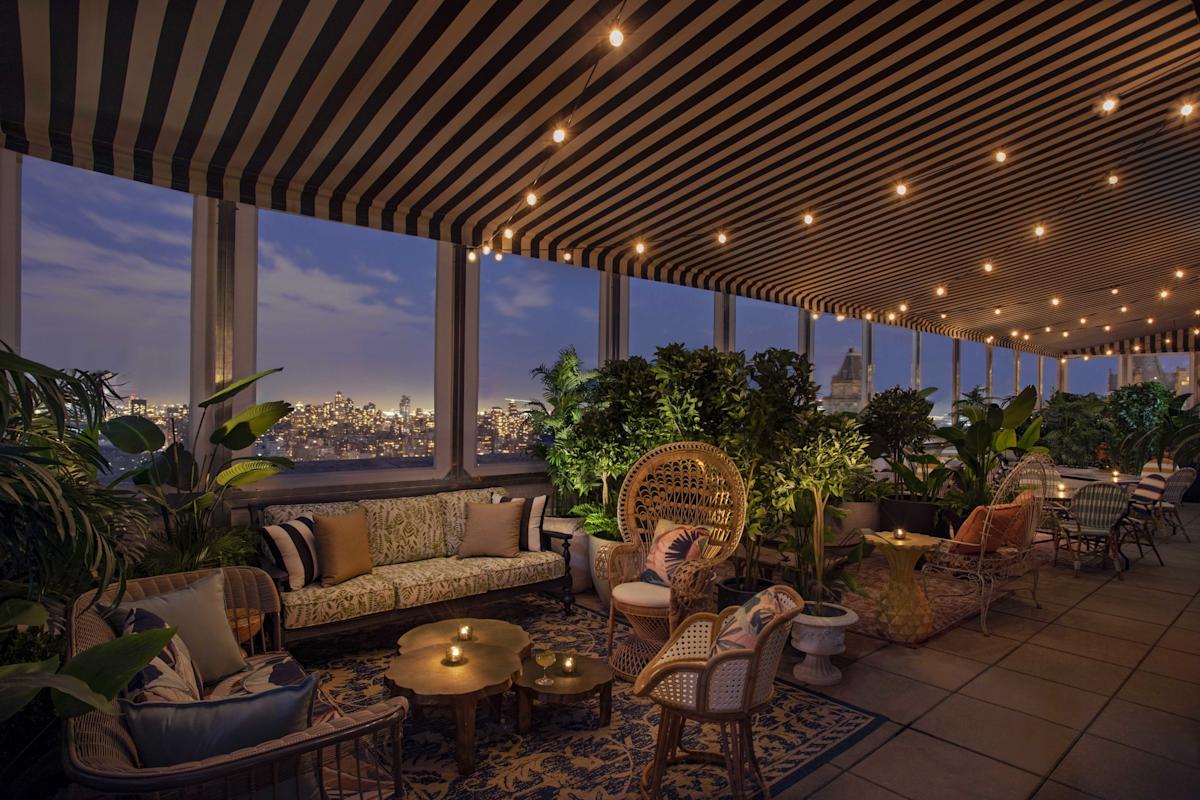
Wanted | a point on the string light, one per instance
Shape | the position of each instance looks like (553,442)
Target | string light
(1109,105)
(868,316)
(508,233)
(722,238)
(903,307)
(1087,358)
(1108,351)
(567,256)
(1115,290)
(989,339)
(1066,334)
(840,317)
(1137,348)
(640,248)
(531,199)
(940,291)
(891,316)
(1039,231)
(987,266)
(1054,301)
(1025,337)
(470,255)
(499,256)
(1186,110)
(943,315)
(809,219)
(1149,320)
(1107,328)
(1124,309)
(1083,320)
(1178,273)
(1001,156)
(1014,333)
(1047,329)
(901,189)
(1162,295)
(615,37)
(487,249)
(816,315)
(1062,361)
(1112,180)
(996,311)
(559,136)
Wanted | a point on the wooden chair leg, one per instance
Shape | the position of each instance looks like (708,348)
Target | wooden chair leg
(612,620)
(752,757)
(653,774)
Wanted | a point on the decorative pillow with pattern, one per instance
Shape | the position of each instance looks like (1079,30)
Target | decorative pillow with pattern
(672,546)
(532,515)
(170,677)
(741,629)
(292,547)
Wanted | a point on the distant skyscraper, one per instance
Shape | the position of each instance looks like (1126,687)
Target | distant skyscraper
(845,388)
(137,405)
(405,407)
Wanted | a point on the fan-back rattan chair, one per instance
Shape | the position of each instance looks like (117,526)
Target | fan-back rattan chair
(1096,512)
(1177,486)
(987,568)
(728,689)
(101,755)
(690,483)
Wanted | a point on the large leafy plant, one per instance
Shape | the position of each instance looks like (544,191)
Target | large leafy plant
(990,432)
(189,492)
(897,423)
(1177,434)
(1137,411)
(1074,426)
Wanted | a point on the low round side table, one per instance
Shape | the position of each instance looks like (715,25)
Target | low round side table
(904,612)
(592,677)
(422,676)
(495,632)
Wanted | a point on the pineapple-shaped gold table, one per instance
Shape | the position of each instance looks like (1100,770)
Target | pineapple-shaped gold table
(904,613)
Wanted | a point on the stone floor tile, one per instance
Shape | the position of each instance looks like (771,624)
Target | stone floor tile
(805,787)
(1025,741)
(1053,790)
(858,645)
(898,698)
(1172,663)
(1134,602)
(1010,626)
(972,644)
(1167,735)
(1091,645)
(1174,579)
(851,787)
(1058,665)
(1188,620)
(1109,625)
(1023,607)
(944,670)
(1066,594)
(920,766)
(1056,702)
(1183,639)
(1165,694)
(1110,770)
(865,746)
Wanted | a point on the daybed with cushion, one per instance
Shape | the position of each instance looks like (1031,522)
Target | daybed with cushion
(413,544)
(327,755)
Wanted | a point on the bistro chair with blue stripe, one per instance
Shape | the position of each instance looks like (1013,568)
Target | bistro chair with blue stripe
(1097,511)
(1168,508)
(1141,522)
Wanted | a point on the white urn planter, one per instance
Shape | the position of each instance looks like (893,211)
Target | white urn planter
(819,638)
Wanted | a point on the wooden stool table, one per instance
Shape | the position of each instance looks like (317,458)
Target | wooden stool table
(422,676)
(904,612)
(495,632)
(592,677)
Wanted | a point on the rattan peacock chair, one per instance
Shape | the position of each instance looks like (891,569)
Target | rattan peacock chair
(690,483)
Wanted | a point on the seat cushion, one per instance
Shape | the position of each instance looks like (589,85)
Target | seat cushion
(433,580)
(528,567)
(357,597)
(640,593)
(405,529)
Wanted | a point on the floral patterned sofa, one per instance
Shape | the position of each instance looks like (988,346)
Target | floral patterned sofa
(413,541)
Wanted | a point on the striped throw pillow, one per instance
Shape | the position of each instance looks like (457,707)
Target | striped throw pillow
(533,513)
(292,547)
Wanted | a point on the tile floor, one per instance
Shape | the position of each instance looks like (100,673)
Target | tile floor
(1094,694)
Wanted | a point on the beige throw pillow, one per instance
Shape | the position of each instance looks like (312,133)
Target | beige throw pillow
(493,529)
(342,548)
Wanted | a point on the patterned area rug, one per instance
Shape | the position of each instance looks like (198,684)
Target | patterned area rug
(567,756)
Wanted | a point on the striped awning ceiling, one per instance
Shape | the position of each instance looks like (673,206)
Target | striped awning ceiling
(435,119)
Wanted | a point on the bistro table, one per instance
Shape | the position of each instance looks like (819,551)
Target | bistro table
(904,612)
(494,632)
(593,677)
(1093,475)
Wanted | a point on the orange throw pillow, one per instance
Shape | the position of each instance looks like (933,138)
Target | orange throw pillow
(1008,523)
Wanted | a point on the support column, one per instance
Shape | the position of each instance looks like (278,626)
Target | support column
(10,249)
(868,387)
(804,334)
(916,359)
(461,286)
(987,370)
(1041,381)
(955,378)
(1063,374)
(724,322)
(614,317)
(1016,371)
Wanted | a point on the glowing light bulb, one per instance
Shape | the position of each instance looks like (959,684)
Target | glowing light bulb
(1047,329)
(1124,309)
(809,219)
(996,311)
(639,248)
(891,316)
(1062,361)
(1039,231)
(1115,290)
(1054,301)
(1186,110)
(1112,180)
(989,339)
(1083,320)
(1196,312)
(499,256)
(987,266)
(942,315)
(1107,328)
(840,317)
(903,307)
(567,256)
(868,316)
(1109,105)
(1178,273)
(508,233)
(1137,348)
(531,198)
(1108,352)
(1087,358)
(901,189)
(1162,295)
(1149,320)
(940,291)
(722,238)
(1167,339)
(487,249)
(1014,333)
(615,37)
(1066,334)
(559,135)
(1001,156)
(470,255)
(1025,337)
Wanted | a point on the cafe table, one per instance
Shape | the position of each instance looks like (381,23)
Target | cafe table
(904,612)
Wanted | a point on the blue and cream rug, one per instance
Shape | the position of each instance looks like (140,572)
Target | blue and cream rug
(566,755)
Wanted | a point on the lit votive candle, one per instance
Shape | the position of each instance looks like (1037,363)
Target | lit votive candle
(454,654)
(464,633)
(568,665)
(1116,473)
(899,534)
(1062,487)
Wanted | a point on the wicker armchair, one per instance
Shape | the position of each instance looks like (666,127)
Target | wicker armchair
(984,571)
(101,756)
(728,689)
(686,482)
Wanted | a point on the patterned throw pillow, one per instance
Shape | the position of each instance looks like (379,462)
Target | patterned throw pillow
(673,545)
(292,547)
(170,677)
(741,629)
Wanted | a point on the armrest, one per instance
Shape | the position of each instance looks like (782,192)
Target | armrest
(692,578)
(624,563)
(386,714)
(277,573)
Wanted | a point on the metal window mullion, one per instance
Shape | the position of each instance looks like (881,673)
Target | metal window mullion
(10,249)
(955,378)
(916,359)
(868,350)
(987,370)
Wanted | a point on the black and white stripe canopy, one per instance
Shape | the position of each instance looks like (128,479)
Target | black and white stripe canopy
(435,119)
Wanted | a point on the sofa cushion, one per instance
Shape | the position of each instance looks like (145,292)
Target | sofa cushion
(453,506)
(433,580)
(528,567)
(404,529)
(357,597)
(640,593)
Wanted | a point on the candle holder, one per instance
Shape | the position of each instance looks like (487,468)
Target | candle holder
(568,665)
(899,534)
(464,633)
(454,656)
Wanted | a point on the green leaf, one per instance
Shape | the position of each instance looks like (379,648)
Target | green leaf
(247,472)
(20,683)
(17,611)
(235,388)
(245,428)
(1020,407)
(133,434)
(108,668)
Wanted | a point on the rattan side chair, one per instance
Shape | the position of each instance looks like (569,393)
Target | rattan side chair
(690,483)
(1168,509)
(728,689)
(100,755)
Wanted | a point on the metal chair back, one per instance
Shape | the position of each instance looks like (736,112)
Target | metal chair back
(1099,506)
(1177,485)
(1148,493)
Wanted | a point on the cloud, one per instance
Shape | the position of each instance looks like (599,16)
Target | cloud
(517,295)
(132,231)
(381,274)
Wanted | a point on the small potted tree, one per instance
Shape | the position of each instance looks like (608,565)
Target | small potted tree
(826,466)
(897,424)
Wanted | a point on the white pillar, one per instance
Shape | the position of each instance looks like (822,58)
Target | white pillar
(10,249)
(987,370)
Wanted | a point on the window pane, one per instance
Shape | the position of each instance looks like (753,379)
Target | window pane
(348,312)
(529,310)
(663,313)
(937,372)
(972,372)
(762,325)
(837,362)
(1029,371)
(1049,376)
(105,285)
(893,357)
(1097,375)
(1169,369)
(1002,373)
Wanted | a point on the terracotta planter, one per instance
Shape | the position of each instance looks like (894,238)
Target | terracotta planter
(581,570)
(819,638)
(598,561)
